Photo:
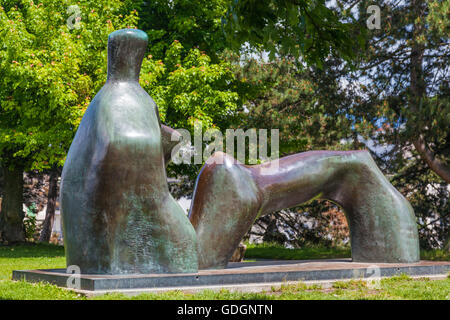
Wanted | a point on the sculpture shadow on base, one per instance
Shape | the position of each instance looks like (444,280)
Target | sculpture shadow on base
(119,217)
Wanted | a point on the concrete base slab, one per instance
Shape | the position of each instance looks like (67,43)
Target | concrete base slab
(247,287)
(239,276)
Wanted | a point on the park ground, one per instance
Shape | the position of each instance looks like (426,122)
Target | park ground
(43,256)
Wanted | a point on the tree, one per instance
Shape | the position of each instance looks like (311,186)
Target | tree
(49,72)
(299,28)
(53,64)
(306,104)
(403,87)
(373,104)
(194,23)
(404,78)
(296,27)
(189,88)
(11,218)
(427,57)
(52,195)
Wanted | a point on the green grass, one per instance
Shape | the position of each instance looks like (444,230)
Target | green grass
(394,288)
(435,255)
(30,256)
(26,257)
(276,251)
(51,256)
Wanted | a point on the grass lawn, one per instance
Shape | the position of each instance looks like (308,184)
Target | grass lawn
(276,251)
(50,256)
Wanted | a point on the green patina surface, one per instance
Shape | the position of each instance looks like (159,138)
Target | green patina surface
(229,196)
(118,214)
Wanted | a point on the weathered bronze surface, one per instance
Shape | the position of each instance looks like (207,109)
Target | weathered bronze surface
(170,138)
(119,217)
(118,214)
(229,196)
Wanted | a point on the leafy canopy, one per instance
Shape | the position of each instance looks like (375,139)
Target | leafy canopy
(188,87)
(298,28)
(50,73)
(194,23)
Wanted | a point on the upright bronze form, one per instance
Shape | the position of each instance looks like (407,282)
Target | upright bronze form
(118,214)
(229,196)
(119,217)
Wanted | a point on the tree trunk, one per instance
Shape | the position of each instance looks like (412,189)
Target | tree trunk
(11,215)
(239,253)
(418,92)
(447,245)
(272,234)
(51,204)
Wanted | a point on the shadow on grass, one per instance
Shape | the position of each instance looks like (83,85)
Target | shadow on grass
(31,250)
(258,251)
(276,251)
(435,255)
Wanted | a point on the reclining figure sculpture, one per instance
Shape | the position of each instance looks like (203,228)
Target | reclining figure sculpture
(119,217)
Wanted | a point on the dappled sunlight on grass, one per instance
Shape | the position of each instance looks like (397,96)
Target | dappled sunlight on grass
(30,256)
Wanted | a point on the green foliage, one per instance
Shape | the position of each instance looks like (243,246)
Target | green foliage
(437,17)
(306,28)
(277,251)
(188,87)
(49,73)
(30,222)
(341,108)
(404,94)
(307,105)
(194,23)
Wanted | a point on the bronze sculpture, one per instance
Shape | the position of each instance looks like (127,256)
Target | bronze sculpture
(118,214)
(229,196)
(119,217)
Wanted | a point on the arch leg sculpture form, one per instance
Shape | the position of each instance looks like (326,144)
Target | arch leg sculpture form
(229,196)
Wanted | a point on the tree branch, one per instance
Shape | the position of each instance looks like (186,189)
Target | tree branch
(439,167)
